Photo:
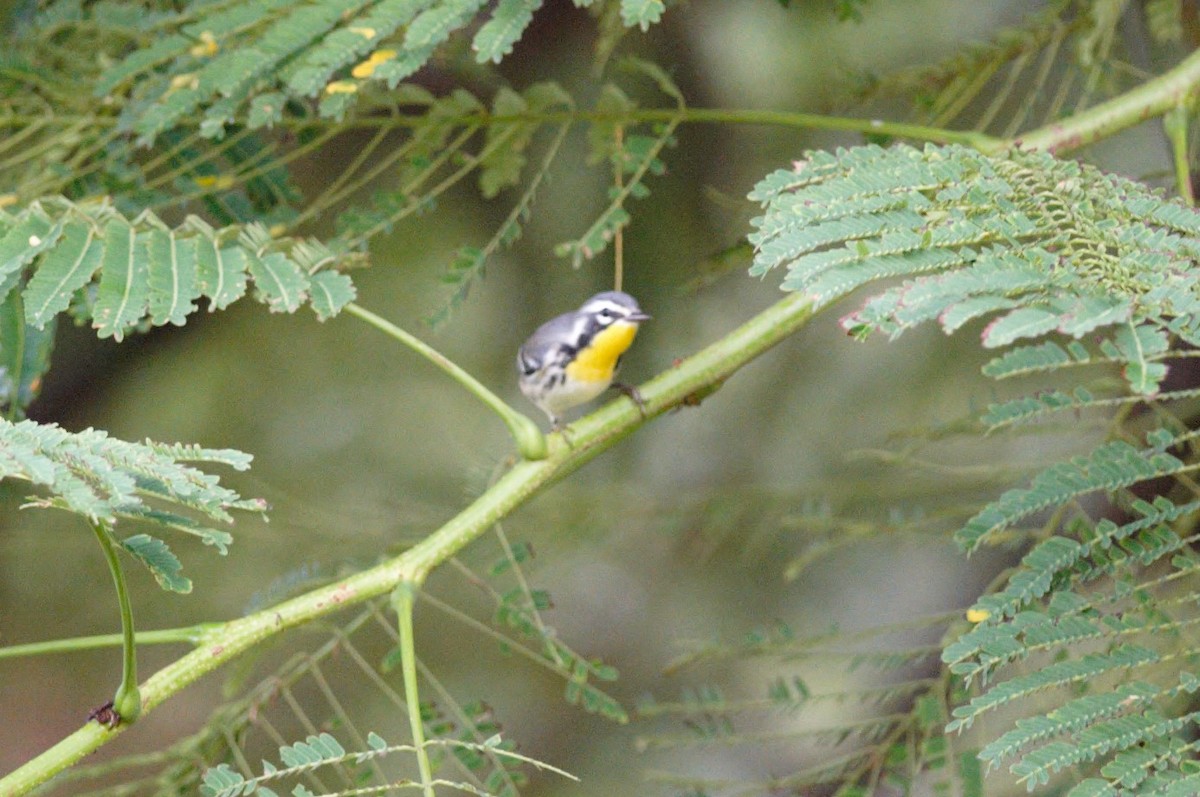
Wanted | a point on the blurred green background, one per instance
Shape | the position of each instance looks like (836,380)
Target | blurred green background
(682,532)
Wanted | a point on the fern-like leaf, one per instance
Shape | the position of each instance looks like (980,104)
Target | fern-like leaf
(281,49)
(1117,464)
(243,64)
(987,236)
(1071,717)
(105,480)
(146,272)
(1071,671)
(100,477)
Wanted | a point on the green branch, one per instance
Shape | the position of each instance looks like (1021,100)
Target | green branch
(1174,88)
(127,703)
(403,599)
(681,384)
(165,636)
(738,116)
(528,437)
(1153,98)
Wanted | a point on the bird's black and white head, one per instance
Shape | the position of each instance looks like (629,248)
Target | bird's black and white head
(572,358)
(611,306)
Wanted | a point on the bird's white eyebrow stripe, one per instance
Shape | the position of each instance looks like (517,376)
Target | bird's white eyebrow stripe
(604,304)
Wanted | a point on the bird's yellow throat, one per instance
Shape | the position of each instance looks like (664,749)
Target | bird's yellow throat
(596,362)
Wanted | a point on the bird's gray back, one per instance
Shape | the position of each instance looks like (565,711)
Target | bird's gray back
(557,339)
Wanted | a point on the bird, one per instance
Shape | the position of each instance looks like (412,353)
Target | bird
(572,358)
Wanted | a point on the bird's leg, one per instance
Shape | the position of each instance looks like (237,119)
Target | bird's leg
(633,393)
(556,425)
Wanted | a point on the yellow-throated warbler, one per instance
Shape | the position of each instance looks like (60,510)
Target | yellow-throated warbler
(571,359)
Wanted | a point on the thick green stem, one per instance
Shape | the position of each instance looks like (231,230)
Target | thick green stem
(403,598)
(128,702)
(1156,96)
(681,384)
(529,438)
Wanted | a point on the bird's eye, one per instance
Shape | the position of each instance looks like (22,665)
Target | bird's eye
(606,313)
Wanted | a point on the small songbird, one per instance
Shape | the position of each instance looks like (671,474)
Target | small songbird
(572,358)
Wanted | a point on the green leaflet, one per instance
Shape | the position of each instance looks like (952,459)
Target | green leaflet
(1185,786)
(25,240)
(1024,322)
(223,781)
(172,283)
(595,239)
(24,357)
(158,559)
(434,25)
(281,284)
(642,13)
(122,295)
(221,272)
(214,538)
(266,110)
(1132,766)
(1028,407)
(1093,787)
(290,34)
(961,313)
(62,271)
(330,292)
(498,35)
(1135,345)
(221,25)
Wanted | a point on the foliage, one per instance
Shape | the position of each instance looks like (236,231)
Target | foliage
(890,732)
(126,274)
(468,744)
(165,174)
(1058,60)
(323,750)
(104,480)
(1039,246)
(234,62)
(1042,245)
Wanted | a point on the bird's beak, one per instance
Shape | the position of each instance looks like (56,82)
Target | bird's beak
(638,317)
